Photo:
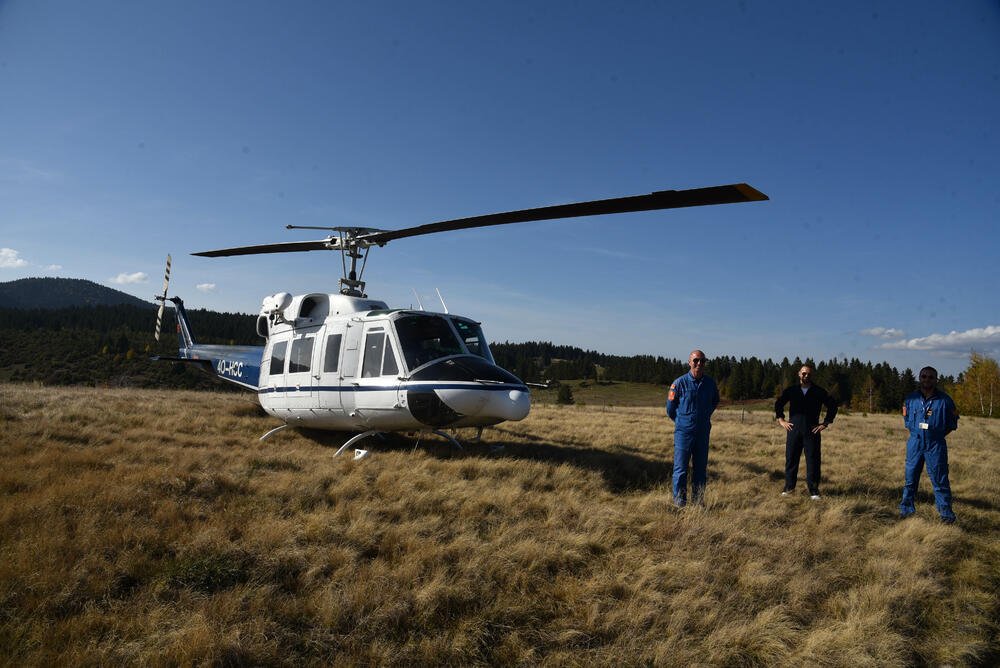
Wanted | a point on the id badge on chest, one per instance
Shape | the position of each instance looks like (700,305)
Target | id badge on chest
(927,413)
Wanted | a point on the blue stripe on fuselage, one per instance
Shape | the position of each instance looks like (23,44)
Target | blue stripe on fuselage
(393,388)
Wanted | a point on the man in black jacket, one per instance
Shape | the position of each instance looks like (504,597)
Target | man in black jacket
(803,426)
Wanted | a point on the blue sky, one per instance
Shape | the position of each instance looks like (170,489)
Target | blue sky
(132,129)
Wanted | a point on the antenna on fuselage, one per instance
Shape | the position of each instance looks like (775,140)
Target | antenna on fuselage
(419,303)
(442,300)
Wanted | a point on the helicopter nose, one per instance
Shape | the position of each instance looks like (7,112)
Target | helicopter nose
(482,403)
(513,405)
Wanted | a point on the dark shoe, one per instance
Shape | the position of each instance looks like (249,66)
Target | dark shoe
(903,516)
(947,520)
(786,492)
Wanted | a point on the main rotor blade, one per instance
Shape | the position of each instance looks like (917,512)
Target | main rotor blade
(286,247)
(664,199)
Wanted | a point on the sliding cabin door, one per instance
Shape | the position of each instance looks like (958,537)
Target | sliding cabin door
(331,347)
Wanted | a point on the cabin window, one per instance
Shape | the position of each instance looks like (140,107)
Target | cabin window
(472,335)
(299,360)
(278,358)
(332,353)
(425,338)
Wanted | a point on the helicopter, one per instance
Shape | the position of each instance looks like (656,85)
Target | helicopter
(346,362)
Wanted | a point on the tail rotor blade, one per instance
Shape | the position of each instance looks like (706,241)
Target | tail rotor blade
(163,299)
(159,322)
(166,277)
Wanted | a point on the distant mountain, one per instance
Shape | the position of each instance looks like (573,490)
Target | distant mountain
(49,293)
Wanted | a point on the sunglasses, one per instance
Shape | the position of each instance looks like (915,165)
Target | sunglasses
(698,360)
(924,375)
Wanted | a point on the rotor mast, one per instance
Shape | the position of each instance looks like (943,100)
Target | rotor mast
(349,242)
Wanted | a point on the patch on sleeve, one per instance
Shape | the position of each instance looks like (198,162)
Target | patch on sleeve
(904,410)
(673,393)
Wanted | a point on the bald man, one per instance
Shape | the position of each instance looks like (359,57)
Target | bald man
(692,399)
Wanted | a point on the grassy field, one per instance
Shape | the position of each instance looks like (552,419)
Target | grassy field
(153,528)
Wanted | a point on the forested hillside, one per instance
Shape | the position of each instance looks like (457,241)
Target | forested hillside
(108,345)
(62,292)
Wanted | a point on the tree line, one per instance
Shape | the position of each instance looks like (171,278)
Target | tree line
(112,345)
(109,345)
(862,386)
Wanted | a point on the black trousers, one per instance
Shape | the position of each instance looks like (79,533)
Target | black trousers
(799,439)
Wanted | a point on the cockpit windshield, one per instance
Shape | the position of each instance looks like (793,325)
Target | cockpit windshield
(424,338)
(472,334)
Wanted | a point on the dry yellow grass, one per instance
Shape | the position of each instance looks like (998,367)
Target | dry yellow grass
(152,528)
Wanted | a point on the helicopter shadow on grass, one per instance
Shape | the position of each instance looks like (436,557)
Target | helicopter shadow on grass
(622,471)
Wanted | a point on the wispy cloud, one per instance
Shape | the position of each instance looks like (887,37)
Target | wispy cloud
(22,171)
(126,279)
(11,259)
(54,267)
(884,333)
(206,287)
(980,338)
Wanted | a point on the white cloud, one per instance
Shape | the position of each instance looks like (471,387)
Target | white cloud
(54,267)
(125,279)
(883,333)
(11,259)
(206,287)
(980,338)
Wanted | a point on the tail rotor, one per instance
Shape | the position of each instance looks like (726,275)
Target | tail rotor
(163,299)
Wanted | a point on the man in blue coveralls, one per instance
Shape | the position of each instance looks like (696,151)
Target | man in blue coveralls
(690,404)
(930,415)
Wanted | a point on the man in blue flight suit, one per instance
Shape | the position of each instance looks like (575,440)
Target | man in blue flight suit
(690,404)
(930,415)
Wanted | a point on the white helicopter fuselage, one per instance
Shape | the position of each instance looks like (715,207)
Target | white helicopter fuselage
(340,362)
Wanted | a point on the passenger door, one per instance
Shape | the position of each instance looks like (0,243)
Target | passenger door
(349,365)
(272,372)
(329,371)
(299,377)
(378,403)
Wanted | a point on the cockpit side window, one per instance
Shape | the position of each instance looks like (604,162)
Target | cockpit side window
(379,358)
(374,345)
(472,336)
(424,338)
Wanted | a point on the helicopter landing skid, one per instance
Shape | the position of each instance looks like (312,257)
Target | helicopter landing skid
(442,434)
(274,431)
(374,432)
(354,439)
